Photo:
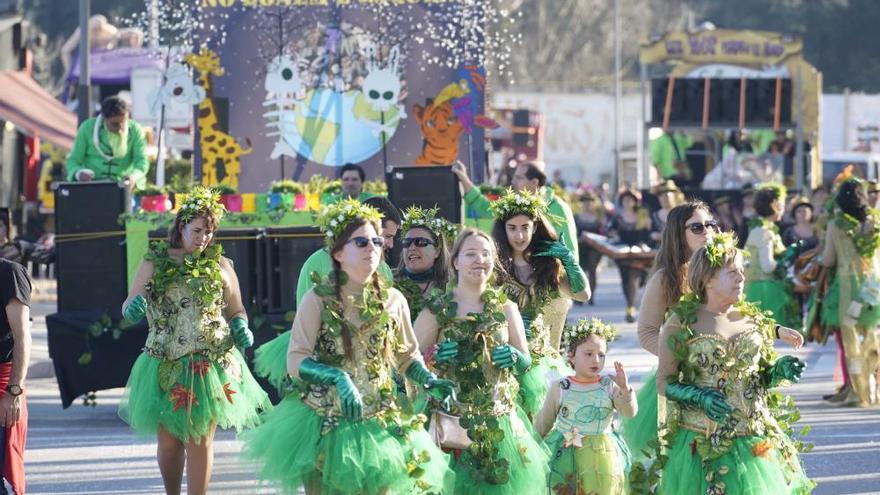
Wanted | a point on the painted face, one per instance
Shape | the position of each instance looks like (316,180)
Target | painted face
(196,235)
(416,258)
(389,232)
(727,284)
(588,358)
(475,260)
(696,240)
(116,123)
(360,262)
(352,185)
(521,181)
(519,230)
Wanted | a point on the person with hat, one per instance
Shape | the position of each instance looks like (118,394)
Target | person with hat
(728,220)
(529,176)
(804,229)
(110,146)
(631,225)
(669,196)
(873,189)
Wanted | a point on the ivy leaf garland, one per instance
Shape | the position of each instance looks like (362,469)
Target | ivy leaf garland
(866,243)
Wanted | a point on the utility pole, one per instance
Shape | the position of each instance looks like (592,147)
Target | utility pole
(618,95)
(84,89)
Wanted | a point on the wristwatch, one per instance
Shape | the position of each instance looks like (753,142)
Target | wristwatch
(14,390)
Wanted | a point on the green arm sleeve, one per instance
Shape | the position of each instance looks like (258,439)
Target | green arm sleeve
(139,165)
(564,225)
(319,262)
(77,157)
(478,203)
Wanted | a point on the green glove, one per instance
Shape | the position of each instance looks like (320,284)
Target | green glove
(527,324)
(442,390)
(711,401)
(447,351)
(242,335)
(785,368)
(314,372)
(136,309)
(506,356)
(577,280)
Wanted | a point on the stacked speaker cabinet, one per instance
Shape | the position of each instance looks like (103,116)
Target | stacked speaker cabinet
(426,187)
(764,102)
(90,252)
(286,249)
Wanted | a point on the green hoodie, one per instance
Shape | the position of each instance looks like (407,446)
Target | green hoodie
(84,155)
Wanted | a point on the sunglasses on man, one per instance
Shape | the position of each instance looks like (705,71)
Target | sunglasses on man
(362,242)
(418,241)
(700,227)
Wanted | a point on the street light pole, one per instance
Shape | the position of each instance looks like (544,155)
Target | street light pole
(618,96)
(84,87)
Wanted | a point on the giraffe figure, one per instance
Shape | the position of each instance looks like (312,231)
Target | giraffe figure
(215,144)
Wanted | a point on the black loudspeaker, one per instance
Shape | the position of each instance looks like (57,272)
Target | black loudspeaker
(686,106)
(241,246)
(521,124)
(286,250)
(426,187)
(91,264)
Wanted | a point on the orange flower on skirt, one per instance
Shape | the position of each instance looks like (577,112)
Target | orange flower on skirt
(762,448)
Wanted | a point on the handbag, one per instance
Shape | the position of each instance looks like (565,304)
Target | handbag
(447,432)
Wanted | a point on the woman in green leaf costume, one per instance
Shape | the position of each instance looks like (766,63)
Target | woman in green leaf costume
(853,299)
(343,431)
(542,277)
(765,275)
(191,377)
(474,336)
(717,363)
(424,259)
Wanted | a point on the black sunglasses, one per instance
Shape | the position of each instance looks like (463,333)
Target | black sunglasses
(362,242)
(698,227)
(418,241)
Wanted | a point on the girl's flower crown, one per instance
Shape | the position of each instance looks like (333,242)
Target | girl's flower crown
(513,203)
(201,200)
(583,328)
(334,218)
(720,248)
(416,216)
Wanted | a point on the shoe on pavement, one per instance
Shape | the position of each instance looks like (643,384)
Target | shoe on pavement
(838,396)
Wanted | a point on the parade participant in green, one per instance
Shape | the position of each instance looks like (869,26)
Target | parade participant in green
(851,304)
(191,377)
(718,364)
(475,337)
(352,178)
(588,455)
(424,260)
(344,432)
(270,358)
(109,147)
(529,176)
(765,277)
(542,277)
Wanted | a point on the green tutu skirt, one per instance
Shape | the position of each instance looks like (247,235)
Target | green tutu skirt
(641,429)
(534,383)
(270,362)
(830,315)
(355,457)
(598,467)
(528,460)
(188,396)
(752,469)
(773,295)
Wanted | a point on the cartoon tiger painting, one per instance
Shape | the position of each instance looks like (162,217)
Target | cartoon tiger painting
(440,130)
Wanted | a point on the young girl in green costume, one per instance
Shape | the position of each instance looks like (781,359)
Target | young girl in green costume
(191,377)
(344,432)
(475,337)
(542,277)
(587,455)
(717,363)
(765,285)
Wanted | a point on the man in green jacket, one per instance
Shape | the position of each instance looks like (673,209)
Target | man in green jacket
(109,147)
(352,177)
(531,177)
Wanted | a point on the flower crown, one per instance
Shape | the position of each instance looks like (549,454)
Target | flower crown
(513,203)
(781,191)
(416,216)
(334,218)
(200,200)
(583,328)
(719,247)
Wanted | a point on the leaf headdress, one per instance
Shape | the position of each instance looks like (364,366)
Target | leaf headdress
(721,249)
(416,216)
(514,203)
(333,219)
(584,328)
(199,201)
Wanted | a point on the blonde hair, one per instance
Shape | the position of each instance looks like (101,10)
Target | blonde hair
(459,242)
(701,270)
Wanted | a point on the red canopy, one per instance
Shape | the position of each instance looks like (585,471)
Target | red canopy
(31,108)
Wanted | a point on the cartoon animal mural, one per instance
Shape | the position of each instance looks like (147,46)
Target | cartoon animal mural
(215,144)
(178,87)
(284,90)
(440,131)
(378,103)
